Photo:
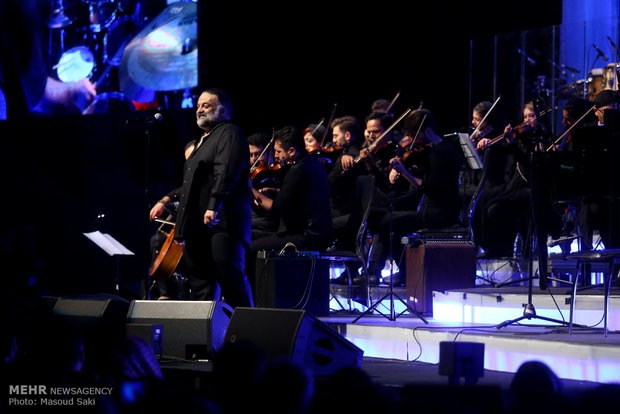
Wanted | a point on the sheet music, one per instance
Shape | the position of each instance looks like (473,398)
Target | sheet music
(108,244)
(471,155)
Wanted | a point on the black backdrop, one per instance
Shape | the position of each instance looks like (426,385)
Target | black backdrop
(63,176)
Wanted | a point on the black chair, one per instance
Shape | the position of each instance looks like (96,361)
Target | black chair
(584,260)
(365,185)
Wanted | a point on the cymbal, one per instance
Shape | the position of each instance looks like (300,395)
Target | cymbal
(58,19)
(164,54)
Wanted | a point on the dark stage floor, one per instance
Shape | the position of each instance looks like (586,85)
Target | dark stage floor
(386,372)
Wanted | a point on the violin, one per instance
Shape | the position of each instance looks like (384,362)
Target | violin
(518,130)
(413,148)
(415,153)
(379,143)
(264,173)
(561,137)
(482,133)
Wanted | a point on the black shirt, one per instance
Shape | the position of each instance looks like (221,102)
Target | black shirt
(216,178)
(303,204)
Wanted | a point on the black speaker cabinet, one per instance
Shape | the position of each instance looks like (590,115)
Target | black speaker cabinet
(295,334)
(438,265)
(191,329)
(293,283)
(101,315)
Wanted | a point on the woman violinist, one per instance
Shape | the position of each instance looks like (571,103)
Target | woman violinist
(506,212)
(316,146)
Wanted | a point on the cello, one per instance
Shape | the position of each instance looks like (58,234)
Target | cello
(169,255)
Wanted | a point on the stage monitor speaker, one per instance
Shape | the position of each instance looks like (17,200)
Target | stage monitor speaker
(295,334)
(438,265)
(300,282)
(93,315)
(191,329)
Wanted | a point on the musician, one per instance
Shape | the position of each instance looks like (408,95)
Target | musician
(386,106)
(169,288)
(257,143)
(376,157)
(214,216)
(605,99)
(572,111)
(264,179)
(347,132)
(26,86)
(599,207)
(507,209)
(313,135)
(437,181)
(302,205)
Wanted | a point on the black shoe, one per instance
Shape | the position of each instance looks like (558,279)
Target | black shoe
(343,279)
(359,280)
(398,280)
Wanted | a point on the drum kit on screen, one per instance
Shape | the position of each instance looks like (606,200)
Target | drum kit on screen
(131,56)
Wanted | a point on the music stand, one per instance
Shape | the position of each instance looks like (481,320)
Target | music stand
(113,248)
(471,155)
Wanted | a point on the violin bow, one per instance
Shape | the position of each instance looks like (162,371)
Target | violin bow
(499,138)
(392,102)
(273,135)
(331,118)
(317,126)
(417,132)
(569,129)
(471,137)
(378,140)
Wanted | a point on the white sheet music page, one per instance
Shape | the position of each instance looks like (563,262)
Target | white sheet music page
(108,244)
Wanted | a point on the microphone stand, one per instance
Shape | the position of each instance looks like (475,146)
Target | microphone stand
(529,311)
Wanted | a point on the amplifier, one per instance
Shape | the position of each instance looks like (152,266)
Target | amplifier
(292,282)
(456,234)
(438,265)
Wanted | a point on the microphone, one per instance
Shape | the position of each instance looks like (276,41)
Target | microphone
(600,53)
(151,118)
(563,66)
(529,59)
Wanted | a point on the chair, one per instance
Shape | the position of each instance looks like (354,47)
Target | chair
(365,186)
(584,261)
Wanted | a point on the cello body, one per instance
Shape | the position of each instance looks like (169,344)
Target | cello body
(168,258)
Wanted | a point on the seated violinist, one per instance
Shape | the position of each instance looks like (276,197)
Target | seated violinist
(313,136)
(346,133)
(508,211)
(263,180)
(257,143)
(438,181)
(301,207)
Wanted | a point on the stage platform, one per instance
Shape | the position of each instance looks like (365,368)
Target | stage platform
(473,315)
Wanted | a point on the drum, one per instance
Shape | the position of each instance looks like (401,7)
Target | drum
(102,12)
(75,64)
(612,75)
(595,83)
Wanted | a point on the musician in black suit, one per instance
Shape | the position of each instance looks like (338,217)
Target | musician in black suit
(437,179)
(214,214)
(600,209)
(302,206)
(347,132)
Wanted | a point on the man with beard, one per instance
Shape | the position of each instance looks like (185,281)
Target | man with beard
(214,214)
